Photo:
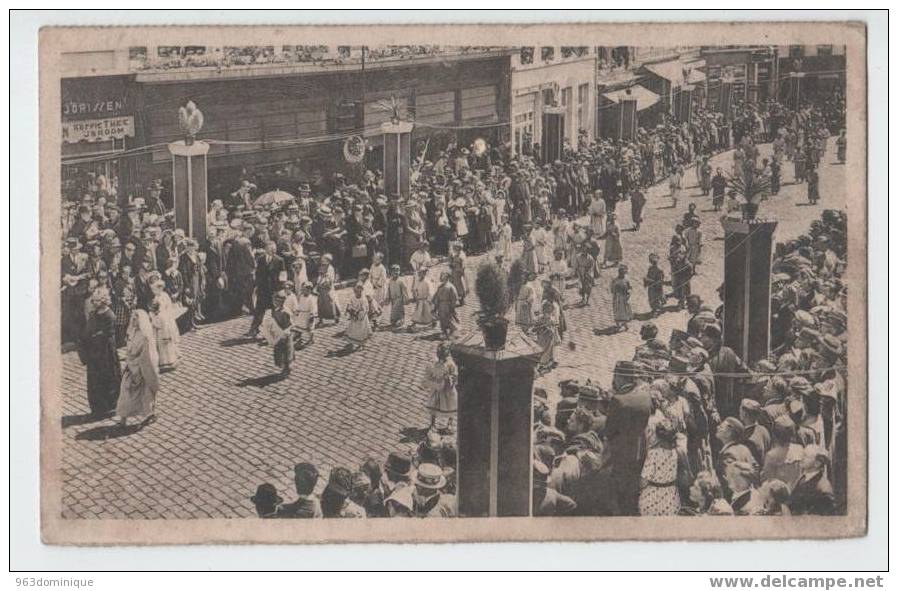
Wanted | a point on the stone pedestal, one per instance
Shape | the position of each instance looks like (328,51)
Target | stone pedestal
(190,187)
(495,413)
(748,245)
(397,158)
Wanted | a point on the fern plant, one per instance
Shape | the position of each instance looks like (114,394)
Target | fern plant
(753,188)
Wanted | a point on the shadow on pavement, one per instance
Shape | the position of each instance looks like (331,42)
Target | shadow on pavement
(412,434)
(607,331)
(341,352)
(76,420)
(262,381)
(238,341)
(434,337)
(105,432)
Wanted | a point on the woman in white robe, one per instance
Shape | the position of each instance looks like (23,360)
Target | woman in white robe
(379,278)
(422,292)
(140,378)
(357,311)
(168,338)
(503,244)
(597,211)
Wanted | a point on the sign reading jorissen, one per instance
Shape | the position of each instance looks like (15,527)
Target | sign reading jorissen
(97,130)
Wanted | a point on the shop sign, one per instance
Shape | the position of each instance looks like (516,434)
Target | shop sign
(97,130)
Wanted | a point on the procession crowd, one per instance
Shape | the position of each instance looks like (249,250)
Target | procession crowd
(688,428)
(133,283)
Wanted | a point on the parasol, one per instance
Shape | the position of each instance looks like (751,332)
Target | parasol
(275,197)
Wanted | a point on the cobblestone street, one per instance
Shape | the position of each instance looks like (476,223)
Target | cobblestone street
(227,422)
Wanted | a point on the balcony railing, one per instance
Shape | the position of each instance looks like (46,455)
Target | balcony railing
(220,58)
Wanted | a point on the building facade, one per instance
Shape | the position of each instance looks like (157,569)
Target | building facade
(666,83)
(752,70)
(548,77)
(267,110)
(811,70)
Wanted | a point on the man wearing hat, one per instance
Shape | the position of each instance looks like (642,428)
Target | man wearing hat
(396,485)
(546,500)
(757,435)
(569,402)
(216,278)
(266,501)
(700,315)
(282,323)
(395,234)
(428,500)
(723,363)
(731,435)
(306,505)
(397,473)
(813,493)
(335,501)
(78,230)
(628,414)
(269,267)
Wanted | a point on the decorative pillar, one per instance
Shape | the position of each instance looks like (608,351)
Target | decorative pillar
(628,117)
(190,187)
(397,158)
(748,245)
(795,90)
(552,134)
(684,103)
(725,100)
(495,414)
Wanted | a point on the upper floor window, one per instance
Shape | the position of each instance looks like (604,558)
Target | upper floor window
(578,51)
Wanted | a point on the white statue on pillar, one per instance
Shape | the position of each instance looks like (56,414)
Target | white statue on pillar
(190,119)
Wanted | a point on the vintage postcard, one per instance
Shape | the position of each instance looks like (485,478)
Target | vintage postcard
(306,284)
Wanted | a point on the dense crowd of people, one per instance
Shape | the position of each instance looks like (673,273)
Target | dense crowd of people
(688,428)
(132,283)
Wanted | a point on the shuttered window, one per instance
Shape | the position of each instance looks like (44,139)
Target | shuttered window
(478,104)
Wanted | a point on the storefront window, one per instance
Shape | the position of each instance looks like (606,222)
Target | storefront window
(168,51)
(578,51)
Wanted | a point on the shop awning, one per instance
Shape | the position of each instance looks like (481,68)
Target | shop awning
(674,72)
(645,98)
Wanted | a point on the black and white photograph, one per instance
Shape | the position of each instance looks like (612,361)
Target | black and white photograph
(592,277)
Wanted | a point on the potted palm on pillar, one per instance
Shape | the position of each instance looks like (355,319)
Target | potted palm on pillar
(496,291)
(754,188)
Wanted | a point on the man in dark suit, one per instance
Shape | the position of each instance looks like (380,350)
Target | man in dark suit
(268,269)
(813,493)
(628,414)
(216,277)
(239,266)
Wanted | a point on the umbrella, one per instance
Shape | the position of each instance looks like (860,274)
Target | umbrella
(275,197)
